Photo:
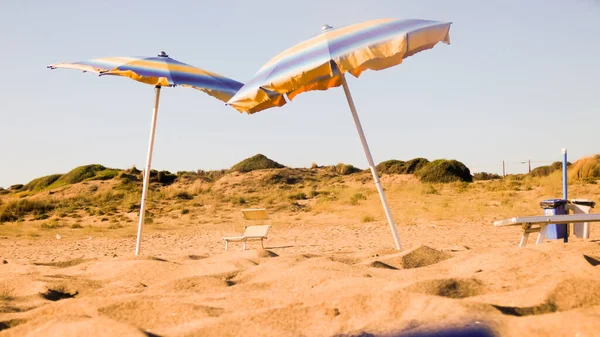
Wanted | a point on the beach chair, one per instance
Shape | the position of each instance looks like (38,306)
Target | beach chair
(532,224)
(252,232)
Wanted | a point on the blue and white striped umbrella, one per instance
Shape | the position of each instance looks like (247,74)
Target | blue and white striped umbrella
(160,71)
(320,63)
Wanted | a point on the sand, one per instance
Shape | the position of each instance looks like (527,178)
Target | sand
(311,280)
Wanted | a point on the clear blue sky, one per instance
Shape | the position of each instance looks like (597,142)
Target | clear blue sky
(519,81)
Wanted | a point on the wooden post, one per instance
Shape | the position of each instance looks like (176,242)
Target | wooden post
(503,169)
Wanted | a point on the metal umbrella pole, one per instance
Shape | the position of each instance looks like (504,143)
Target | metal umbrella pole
(363,140)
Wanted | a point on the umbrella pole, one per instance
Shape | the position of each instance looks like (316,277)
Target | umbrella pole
(147,172)
(363,140)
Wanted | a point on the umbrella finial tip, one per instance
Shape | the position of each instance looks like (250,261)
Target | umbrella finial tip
(163,54)
(326,27)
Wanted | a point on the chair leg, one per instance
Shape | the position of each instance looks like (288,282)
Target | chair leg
(262,244)
(244,249)
(226,244)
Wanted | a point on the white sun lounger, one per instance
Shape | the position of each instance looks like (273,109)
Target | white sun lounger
(252,232)
(533,224)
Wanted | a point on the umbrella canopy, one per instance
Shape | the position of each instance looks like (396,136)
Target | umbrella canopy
(158,71)
(320,63)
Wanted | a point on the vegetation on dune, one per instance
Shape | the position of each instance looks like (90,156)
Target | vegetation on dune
(392,166)
(415,165)
(283,176)
(486,176)
(162,177)
(213,196)
(86,172)
(345,169)
(42,183)
(544,171)
(257,162)
(402,167)
(586,169)
(17,209)
(444,171)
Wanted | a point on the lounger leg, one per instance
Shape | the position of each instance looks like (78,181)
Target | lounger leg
(226,244)
(244,246)
(524,239)
(262,244)
(542,235)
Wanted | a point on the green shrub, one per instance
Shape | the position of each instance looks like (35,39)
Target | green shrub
(367,218)
(345,169)
(52,224)
(444,171)
(429,189)
(401,167)
(354,200)
(257,162)
(237,200)
(485,176)
(80,174)
(16,187)
(107,174)
(285,176)
(42,183)
(298,196)
(183,195)
(41,216)
(186,176)
(557,165)
(3,191)
(184,211)
(391,167)
(211,176)
(541,171)
(414,165)
(133,170)
(162,177)
(125,177)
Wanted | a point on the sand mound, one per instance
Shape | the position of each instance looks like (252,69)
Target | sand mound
(11,323)
(152,313)
(567,295)
(575,293)
(422,257)
(451,288)
(197,284)
(265,253)
(63,264)
(379,264)
(83,326)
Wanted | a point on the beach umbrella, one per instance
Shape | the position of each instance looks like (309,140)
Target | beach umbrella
(160,71)
(321,62)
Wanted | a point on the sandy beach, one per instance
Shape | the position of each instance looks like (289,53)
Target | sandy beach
(320,274)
